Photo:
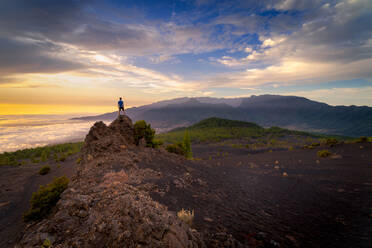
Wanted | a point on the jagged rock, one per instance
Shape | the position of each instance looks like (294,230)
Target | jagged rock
(101,209)
(102,139)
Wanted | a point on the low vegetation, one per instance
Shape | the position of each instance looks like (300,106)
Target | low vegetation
(186,216)
(362,139)
(142,130)
(44,170)
(217,129)
(176,148)
(323,153)
(46,243)
(181,148)
(329,141)
(45,198)
(40,154)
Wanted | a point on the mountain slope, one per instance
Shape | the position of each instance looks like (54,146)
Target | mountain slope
(266,110)
(217,129)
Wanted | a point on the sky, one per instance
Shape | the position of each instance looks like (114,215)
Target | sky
(71,56)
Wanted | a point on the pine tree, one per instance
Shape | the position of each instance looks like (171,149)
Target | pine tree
(187,145)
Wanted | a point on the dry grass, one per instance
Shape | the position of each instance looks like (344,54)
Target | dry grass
(186,215)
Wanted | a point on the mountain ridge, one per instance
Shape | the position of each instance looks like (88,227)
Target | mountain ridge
(292,112)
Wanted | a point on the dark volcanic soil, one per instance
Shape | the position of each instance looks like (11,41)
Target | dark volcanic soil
(268,199)
(16,187)
(322,202)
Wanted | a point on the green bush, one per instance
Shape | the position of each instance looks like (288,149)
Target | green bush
(45,198)
(63,157)
(323,153)
(361,139)
(45,155)
(157,143)
(182,148)
(187,145)
(176,148)
(144,130)
(44,170)
(329,141)
(78,160)
(46,243)
(35,160)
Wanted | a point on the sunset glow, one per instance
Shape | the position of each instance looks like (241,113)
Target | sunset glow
(82,55)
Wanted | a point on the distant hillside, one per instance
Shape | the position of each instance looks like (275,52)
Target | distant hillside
(218,129)
(266,110)
(218,122)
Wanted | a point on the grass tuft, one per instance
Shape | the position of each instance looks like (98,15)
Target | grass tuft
(44,170)
(186,216)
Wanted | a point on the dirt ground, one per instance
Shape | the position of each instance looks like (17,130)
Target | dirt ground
(265,199)
(16,187)
(282,198)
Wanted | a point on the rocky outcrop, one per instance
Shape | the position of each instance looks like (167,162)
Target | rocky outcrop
(103,139)
(110,214)
(103,208)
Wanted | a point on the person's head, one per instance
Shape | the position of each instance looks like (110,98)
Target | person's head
(120,98)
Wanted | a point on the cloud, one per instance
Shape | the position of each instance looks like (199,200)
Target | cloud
(335,46)
(28,56)
(338,96)
(39,132)
(99,47)
(296,4)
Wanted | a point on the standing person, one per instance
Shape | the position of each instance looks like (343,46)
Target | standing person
(121,105)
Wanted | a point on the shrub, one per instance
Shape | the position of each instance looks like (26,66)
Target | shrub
(176,148)
(330,141)
(44,170)
(45,198)
(63,157)
(157,143)
(46,244)
(78,160)
(144,130)
(181,148)
(323,153)
(55,157)
(361,139)
(186,216)
(35,160)
(187,145)
(45,155)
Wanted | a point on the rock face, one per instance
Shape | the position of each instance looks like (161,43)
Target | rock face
(112,138)
(101,209)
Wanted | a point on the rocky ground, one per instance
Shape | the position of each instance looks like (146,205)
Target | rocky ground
(123,195)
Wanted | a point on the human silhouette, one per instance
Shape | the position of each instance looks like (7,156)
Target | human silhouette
(121,105)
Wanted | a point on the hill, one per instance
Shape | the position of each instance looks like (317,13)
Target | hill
(217,129)
(291,112)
